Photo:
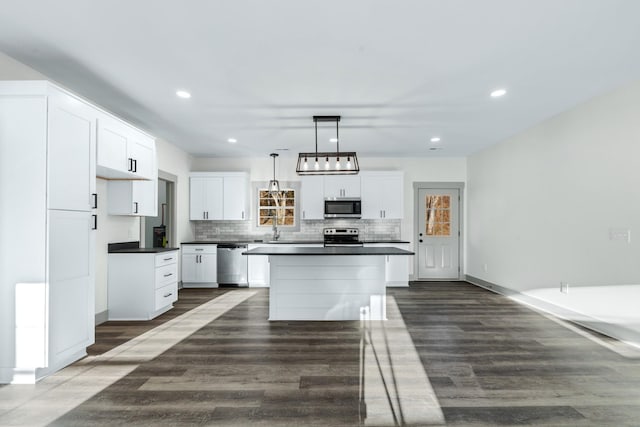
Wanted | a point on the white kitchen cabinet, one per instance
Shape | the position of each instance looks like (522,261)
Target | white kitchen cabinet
(123,151)
(382,195)
(342,186)
(396,267)
(199,266)
(47,139)
(219,196)
(136,198)
(205,198)
(312,197)
(142,285)
(235,196)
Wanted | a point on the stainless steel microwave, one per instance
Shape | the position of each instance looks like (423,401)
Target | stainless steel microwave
(342,208)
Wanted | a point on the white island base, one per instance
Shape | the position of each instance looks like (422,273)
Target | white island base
(327,287)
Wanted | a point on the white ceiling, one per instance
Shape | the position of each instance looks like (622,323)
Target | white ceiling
(398,72)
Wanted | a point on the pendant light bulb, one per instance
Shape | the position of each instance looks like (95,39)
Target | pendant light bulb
(326,164)
(337,163)
(317,165)
(348,162)
(306,164)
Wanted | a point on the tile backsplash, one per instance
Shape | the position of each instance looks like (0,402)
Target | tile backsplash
(309,229)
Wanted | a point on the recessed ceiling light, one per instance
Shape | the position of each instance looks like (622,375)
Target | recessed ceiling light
(498,93)
(183,94)
(232,140)
(333,139)
(435,139)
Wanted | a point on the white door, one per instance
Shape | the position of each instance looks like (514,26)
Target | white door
(72,139)
(71,282)
(189,267)
(213,198)
(196,199)
(235,196)
(141,150)
(145,196)
(312,196)
(438,233)
(112,145)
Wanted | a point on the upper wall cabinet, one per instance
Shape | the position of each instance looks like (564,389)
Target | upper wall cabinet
(133,197)
(124,152)
(341,186)
(382,195)
(312,197)
(219,196)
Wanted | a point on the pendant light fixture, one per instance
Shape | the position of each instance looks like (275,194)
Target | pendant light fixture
(328,163)
(274,185)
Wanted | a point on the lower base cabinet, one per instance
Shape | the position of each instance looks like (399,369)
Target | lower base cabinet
(142,285)
(199,266)
(396,267)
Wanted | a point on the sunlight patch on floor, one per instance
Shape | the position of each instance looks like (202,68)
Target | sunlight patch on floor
(394,388)
(44,402)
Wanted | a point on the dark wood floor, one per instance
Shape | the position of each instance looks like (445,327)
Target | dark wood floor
(489,360)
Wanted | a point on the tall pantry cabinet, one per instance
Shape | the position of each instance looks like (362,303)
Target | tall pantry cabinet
(47,229)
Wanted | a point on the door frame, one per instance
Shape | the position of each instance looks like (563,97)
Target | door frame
(429,185)
(172,182)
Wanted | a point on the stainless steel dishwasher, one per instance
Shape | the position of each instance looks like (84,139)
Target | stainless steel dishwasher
(232,265)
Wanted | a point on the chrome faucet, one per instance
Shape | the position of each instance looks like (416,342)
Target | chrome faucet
(276,233)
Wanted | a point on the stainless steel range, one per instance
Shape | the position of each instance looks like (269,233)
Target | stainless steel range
(341,237)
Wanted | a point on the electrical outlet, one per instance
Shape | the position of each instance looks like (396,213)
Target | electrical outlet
(564,287)
(622,234)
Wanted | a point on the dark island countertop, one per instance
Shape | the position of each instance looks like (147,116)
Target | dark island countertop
(134,248)
(143,250)
(282,242)
(341,250)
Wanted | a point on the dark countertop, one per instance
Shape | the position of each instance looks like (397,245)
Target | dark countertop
(142,250)
(282,242)
(342,250)
(134,248)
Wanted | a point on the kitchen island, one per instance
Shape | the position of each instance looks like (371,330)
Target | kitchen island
(327,283)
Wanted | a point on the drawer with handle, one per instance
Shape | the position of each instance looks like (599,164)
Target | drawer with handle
(199,249)
(166,258)
(166,295)
(166,274)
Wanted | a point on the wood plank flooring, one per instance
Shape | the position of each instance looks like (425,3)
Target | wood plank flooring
(486,361)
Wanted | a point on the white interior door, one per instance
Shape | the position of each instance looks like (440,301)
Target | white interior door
(438,233)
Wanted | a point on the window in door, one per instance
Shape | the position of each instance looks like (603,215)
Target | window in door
(280,207)
(438,218)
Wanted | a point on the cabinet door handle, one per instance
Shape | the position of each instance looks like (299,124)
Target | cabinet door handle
(130,167)
(242,214)
(95,200)
(135,165)
(207,214)
(136,207)
(167,275)
(304,214)
(95,222)
(200,259)
(384,214)
(168,259)
(199,249)
(168,295)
